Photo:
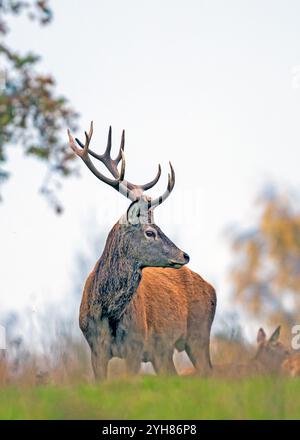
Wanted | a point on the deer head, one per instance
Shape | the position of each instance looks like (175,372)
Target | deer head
(271,352)
(142,239)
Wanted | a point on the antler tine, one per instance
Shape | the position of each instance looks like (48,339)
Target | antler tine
(92,153)
(83,153)
(88,138)
(122,146)
(154,181)
(122,172)
(131,186)
(76,150)
(108,146)
(171,182)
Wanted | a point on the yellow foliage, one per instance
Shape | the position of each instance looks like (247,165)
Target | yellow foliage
(266,274)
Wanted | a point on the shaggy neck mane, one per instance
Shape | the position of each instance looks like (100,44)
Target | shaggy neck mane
(117,276)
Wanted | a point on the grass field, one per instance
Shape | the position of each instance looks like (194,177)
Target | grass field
(150,397)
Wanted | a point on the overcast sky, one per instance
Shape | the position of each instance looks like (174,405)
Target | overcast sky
(212,86)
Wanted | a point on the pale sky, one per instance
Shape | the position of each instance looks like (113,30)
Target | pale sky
(213,86)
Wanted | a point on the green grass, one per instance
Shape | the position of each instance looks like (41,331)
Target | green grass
(156,398)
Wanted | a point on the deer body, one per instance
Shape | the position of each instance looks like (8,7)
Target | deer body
(139,302)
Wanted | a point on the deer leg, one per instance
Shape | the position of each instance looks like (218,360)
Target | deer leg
(133,358)
(99,342)
(100,364)
(133,364)
(197,348)
(162,360)
(163,364)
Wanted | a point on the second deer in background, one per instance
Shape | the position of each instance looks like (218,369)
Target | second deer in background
(270,356)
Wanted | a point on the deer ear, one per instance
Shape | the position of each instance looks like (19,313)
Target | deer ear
(133,213)
(261,336)
(275,336)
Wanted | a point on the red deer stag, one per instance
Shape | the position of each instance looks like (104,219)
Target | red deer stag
(135,305)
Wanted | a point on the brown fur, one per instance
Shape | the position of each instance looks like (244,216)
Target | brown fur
(291,366)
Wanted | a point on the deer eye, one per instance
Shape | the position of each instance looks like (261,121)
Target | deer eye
(150,234)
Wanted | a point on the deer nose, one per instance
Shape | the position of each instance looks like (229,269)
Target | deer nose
(186,257)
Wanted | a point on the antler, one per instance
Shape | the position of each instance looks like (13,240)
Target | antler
(83,153)
(130,190)
(171,183)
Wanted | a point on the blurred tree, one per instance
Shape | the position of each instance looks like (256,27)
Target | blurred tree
(31,114)
(266,274)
